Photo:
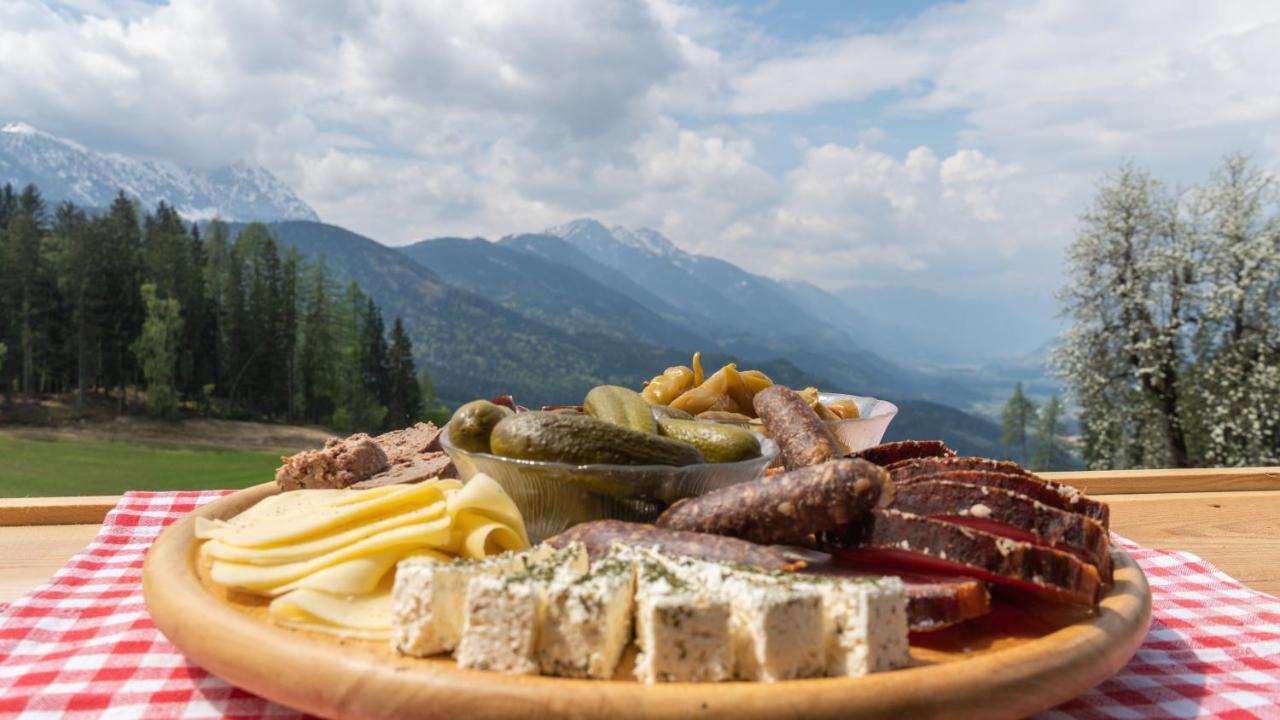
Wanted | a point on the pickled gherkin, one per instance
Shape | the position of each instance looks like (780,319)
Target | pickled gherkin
(584,440)
(620,406)
(718,442)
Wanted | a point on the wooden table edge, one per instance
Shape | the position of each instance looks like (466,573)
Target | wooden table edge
(84,510)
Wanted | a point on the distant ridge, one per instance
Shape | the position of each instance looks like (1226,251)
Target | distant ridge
(66,170)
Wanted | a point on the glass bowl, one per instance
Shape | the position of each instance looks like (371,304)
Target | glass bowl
(868,429)
(860,433)
(553,497)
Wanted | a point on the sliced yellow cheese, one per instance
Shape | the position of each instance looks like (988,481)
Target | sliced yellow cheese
(484,496)
(260,578)
(291,503)
(307,549)
(329,556)
(364,616)
(324,518)
(475,536)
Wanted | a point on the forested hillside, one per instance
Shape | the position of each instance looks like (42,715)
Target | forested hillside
(129,299)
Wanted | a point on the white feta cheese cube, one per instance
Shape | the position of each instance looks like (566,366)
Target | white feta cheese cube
(864,619)
(777,631)
(428,598)
(501,625)
(587,623)
(865,624)
(503,613)
(778,625)
(682,629)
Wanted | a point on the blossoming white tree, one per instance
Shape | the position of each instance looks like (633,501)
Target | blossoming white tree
(1173,354)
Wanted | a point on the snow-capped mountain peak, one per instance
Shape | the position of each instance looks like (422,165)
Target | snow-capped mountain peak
(65,170)
(646,239)
(594,238)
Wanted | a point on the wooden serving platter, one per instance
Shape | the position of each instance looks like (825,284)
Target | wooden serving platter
(1024,658)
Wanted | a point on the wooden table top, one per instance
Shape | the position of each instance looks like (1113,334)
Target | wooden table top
(1230,517)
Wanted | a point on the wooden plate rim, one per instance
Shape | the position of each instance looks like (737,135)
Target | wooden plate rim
(322,679)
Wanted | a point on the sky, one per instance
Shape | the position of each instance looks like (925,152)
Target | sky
(942,145)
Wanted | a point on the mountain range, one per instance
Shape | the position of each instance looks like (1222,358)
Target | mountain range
(66,170)
(546,315)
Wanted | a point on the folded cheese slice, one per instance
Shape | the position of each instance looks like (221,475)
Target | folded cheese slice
(367,617)
(307,549)
(266,578)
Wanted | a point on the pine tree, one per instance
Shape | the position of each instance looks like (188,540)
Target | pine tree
(119,274)
(239,350)
(404,405)
(1049,453)
(288,325)
(434,410)
(375,366)
(318,352)
(1018,416)
(358,408)
(22,272)
(78,254)
(266,377)
(157,350)
(217,255)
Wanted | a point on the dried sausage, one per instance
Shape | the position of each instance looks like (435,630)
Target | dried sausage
(802,437)
(785,509)
(600,535)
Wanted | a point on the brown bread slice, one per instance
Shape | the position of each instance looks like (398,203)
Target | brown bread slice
(934,600)
(909,467)
(896,539)
(887,454)
(999,473)
(1009,514)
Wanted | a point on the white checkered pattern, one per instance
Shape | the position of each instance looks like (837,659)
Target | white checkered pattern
(83,646)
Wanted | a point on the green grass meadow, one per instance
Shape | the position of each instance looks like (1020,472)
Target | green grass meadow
(59,467)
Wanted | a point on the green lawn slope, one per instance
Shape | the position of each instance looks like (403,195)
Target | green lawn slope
(32,466)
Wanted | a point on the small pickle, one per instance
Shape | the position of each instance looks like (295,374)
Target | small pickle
(810,395)
(718,442)
(713,394)
(756,381)
(668,386)
(847,409)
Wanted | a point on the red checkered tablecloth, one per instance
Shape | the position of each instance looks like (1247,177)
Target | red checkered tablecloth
(82,645)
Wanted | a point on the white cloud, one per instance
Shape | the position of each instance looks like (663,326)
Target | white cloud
(405,119)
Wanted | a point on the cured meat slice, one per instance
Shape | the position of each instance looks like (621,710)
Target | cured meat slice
(887,454)
(1010,514)
(995,473)
(897,539)
(599,536)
